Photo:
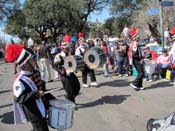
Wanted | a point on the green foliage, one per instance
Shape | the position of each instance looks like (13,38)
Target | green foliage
(123,12)
(60,16)
(126,7)
(116,25)
(109,24)
(16,23)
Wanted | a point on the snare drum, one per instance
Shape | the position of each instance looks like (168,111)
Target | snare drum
(61,114)
(73,63)
(94,57)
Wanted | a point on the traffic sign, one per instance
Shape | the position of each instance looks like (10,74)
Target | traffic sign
(153,11)
(167,3)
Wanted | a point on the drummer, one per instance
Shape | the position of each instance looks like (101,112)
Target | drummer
(27,96)
(69,80)
(86,70)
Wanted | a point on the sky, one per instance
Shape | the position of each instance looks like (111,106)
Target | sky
(101,16)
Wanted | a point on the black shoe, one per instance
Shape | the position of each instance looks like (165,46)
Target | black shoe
(50,81)
(76,108)
(134,87)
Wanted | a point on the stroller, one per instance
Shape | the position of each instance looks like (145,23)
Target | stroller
(165,124)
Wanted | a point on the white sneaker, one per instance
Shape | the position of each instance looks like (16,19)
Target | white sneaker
(94,84)
(150,80)
(141,88)
(144,79)
(85,85)
(133,86)
(126,75)
(120,75)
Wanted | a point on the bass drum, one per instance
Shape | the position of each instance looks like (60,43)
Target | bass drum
(94,57)
(73,63)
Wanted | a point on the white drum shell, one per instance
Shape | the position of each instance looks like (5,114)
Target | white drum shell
(61,114)
(98,55)
(77,63)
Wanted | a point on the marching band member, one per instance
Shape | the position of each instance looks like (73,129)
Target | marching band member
(69,80)
(28,94)
(86,70)
(136,58)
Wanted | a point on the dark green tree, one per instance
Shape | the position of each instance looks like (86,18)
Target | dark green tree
(60,16)
(16,24)
(123,12)
(126,7)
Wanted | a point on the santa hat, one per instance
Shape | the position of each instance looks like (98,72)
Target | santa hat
(80,34)
(23,57)
(66,39)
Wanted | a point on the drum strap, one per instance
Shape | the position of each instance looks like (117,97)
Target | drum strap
(81,52)
(33,87)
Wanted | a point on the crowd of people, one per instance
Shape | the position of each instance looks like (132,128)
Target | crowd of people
(122,55)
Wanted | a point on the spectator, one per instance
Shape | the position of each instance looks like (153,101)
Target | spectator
(105,66)
(149,65)
(166,37)
(123,58)
(153,42)
(45,58)
(163,61)
(125,31)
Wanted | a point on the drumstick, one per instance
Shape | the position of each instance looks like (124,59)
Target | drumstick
(52,90)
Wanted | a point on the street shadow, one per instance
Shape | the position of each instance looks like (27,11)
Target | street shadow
(98,73)
(55,89)
(105,100)
(7,118)
(2,106)
(5,91)
(116,83)
(160,85)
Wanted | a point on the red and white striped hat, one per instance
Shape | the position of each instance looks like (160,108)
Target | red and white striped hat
(134,34)
(23,57)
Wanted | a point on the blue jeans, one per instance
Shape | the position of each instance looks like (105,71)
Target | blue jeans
(159,67)
(123,63)
(105,68)
(148,76)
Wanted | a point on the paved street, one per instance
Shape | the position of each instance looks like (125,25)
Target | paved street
(114,106)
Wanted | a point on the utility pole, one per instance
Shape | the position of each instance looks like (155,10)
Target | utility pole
(161,23)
